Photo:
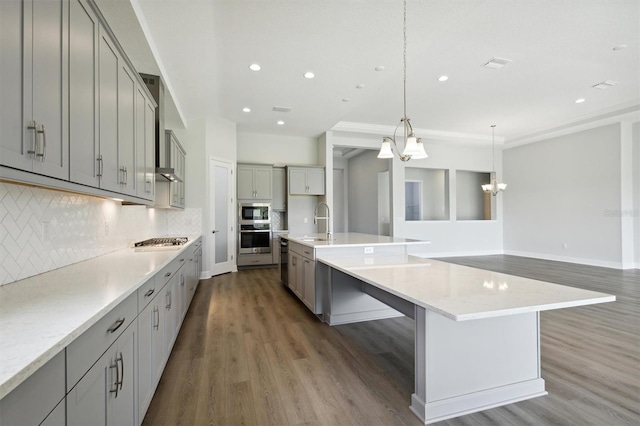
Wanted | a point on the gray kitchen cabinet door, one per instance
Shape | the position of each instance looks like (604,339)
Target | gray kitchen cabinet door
(279,201)
(34,86)
(94,399)
(297,181)
(15,138)
(263,182)
(150,148)
(126,130)
(108,64)
(173,308)
(245,182)
(83,94)
(142,188)
(315,181)
(309,279)
(151,357)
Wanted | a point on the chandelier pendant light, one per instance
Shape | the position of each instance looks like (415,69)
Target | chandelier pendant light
(413,146)
(494,187)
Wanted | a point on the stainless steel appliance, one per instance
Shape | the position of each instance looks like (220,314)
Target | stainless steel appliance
(163,243)
(254,238)
(284,254)
(254,213)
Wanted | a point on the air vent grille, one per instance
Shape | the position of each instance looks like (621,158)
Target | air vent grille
(281,109)
(496,63)
(605,84)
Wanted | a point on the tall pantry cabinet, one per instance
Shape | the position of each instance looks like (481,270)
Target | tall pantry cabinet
(33,86)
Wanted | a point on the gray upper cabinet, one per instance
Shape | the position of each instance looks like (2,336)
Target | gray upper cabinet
(144,146)
(34,86)
(68,103)
(126,130)
(254,182)
(306,180)
(279,201)
(83,93)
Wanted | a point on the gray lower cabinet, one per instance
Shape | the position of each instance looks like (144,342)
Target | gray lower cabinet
(302,274)
(34,82)
(38,399)
(105,394)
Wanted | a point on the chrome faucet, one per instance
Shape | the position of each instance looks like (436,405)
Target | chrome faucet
(316,217)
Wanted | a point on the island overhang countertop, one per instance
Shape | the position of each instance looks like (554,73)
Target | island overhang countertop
(460,292)
(349,239)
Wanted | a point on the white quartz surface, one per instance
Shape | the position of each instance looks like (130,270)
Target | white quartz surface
(41,315)
(349,239)
(460,292)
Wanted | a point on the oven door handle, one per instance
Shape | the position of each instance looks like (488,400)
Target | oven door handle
(254,230)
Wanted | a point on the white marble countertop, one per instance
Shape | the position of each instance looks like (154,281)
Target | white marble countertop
(460,292)
(349,239)
(41,315)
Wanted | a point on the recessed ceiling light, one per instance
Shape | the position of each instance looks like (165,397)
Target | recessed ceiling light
(346,99)
(579,101)
(309,74)
(620,47)
(245,109)
(255,67)
(280,123)
(379,68)
(443,78)
(360,86)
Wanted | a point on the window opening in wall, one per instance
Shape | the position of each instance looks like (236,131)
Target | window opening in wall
(472,203)
(426,194)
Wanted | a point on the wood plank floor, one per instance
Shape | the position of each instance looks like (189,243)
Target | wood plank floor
(250,353)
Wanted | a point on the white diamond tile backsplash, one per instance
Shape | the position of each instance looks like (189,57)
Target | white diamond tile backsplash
(42,230)
(184,222)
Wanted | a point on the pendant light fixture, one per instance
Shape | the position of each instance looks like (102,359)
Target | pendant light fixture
(494,187)
(413,146)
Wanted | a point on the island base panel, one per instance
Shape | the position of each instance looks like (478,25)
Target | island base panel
(467,366)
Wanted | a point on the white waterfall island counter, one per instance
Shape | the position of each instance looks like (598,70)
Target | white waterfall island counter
(477,332)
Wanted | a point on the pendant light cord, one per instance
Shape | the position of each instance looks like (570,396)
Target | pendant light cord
(404,65)
(493,147)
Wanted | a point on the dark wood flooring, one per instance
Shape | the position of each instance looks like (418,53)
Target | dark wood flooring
(250,353)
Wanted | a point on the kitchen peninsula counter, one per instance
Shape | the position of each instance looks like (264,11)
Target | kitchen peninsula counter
(477,332)
(41,315)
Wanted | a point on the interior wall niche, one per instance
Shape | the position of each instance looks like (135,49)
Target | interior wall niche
(472,203)
(426,194)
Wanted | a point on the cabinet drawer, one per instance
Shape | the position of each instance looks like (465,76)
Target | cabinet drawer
(146,293)
(32,401)
(169,271)
(83,352)
(304,251)
(255,259)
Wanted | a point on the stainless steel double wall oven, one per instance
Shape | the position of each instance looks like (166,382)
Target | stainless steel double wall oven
(254,225)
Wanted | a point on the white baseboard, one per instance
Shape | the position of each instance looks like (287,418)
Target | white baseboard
(569,259)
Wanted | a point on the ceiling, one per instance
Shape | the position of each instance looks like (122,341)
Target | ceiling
(558,50)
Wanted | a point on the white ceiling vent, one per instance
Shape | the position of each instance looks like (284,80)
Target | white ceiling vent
(605,84)
(281,109)
(497,63)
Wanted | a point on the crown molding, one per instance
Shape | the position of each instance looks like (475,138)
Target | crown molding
(425,134)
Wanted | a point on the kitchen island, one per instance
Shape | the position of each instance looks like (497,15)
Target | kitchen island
(477,332)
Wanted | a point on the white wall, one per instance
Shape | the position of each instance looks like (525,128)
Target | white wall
(636,191)
(564,191)
(276,149)
(362,183)
(447,237)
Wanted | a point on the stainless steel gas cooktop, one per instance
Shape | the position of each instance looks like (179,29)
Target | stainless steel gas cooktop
(164,243)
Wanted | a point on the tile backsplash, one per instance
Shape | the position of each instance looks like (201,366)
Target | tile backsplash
(42,230)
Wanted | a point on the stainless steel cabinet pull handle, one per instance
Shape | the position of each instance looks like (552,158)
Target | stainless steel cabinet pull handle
(126,175)
(99,160)
(169,300)
(168,274)
(156,311)
(112,390)
(116,325)
(35,139)
(181,260)
(44,142)
(150,292)
(122,375)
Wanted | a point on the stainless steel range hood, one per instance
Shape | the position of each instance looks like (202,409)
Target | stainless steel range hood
(164,171)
